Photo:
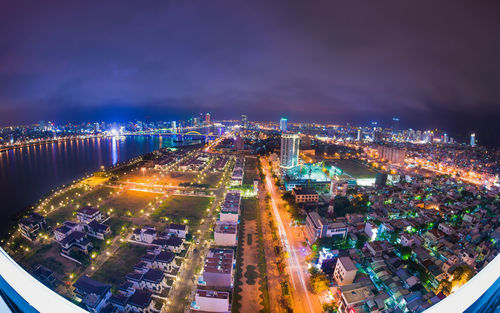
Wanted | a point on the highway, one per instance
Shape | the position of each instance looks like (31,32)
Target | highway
(304,300)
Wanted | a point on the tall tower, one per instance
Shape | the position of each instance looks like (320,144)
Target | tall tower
(395,125)
(283,124)
(244,121)
(359,134)
(207,119)
(289,156)
(473,139)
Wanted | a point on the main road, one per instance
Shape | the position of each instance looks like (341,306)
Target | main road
(304,301)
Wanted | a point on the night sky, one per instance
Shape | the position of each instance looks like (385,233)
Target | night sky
(433,64)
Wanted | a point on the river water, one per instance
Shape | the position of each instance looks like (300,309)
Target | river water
(28,174)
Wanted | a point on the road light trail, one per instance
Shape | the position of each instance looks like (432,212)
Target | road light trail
(284,239)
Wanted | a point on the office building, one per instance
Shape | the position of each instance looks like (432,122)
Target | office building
(283,124)
(289,156)
(207,119)
(473,140)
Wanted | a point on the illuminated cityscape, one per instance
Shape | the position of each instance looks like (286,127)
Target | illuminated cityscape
(249,157)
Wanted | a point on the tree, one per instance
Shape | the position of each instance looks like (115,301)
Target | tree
(360,243)
(460,275)
(445,287)
(341,203)
(319,281)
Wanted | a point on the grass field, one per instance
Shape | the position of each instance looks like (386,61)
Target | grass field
(64,198)
(130,201)
(355,169)
(178,208)
(212,179)
(93,196)
(114,270)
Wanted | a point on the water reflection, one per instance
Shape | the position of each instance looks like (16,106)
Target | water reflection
(28,174)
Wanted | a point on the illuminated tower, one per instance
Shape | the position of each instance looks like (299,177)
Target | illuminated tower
(207,119)
(244,121)
(473,140)
(283,124)
(289,156)
(395,125)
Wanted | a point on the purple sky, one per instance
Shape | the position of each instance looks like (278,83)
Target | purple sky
(432,64)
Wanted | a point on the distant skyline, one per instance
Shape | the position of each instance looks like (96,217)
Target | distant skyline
(433,65)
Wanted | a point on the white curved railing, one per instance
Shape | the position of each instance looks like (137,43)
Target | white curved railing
(466,297)
(28,294)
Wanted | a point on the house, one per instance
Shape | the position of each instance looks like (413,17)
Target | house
(406,240)
(97,230)
(92,293)
(353,296)
(377,248)
(211,301)
(76,239)
(337,229)
(305,195)
(67,228)
(316,228)
(146,234)
(230,208)
(88,214)
(345,271)
(218,270)
(30,226)
(44,275)
(164,261)
(141,301)
(153,280)
(371,230)
(178,230)
(447,229)
(226,233)
(174,244)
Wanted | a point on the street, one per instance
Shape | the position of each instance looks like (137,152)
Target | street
(303,299)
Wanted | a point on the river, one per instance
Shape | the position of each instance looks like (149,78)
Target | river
(30,173)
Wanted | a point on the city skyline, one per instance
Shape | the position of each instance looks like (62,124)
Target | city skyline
(333,63)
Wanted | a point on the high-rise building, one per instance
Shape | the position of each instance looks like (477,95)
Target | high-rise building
(244,121)
(473,140)
(207,119)
(289,156)
(238,143)
(395,124)
(195,121)
(445,138)
(283,124)
(359,134)
(174,127)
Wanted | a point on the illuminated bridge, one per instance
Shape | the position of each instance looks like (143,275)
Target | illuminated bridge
(22,293)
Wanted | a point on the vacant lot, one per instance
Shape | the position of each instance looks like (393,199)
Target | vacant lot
(176,178)
(114,270)
(130,203)
(49,256)
(179,208)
